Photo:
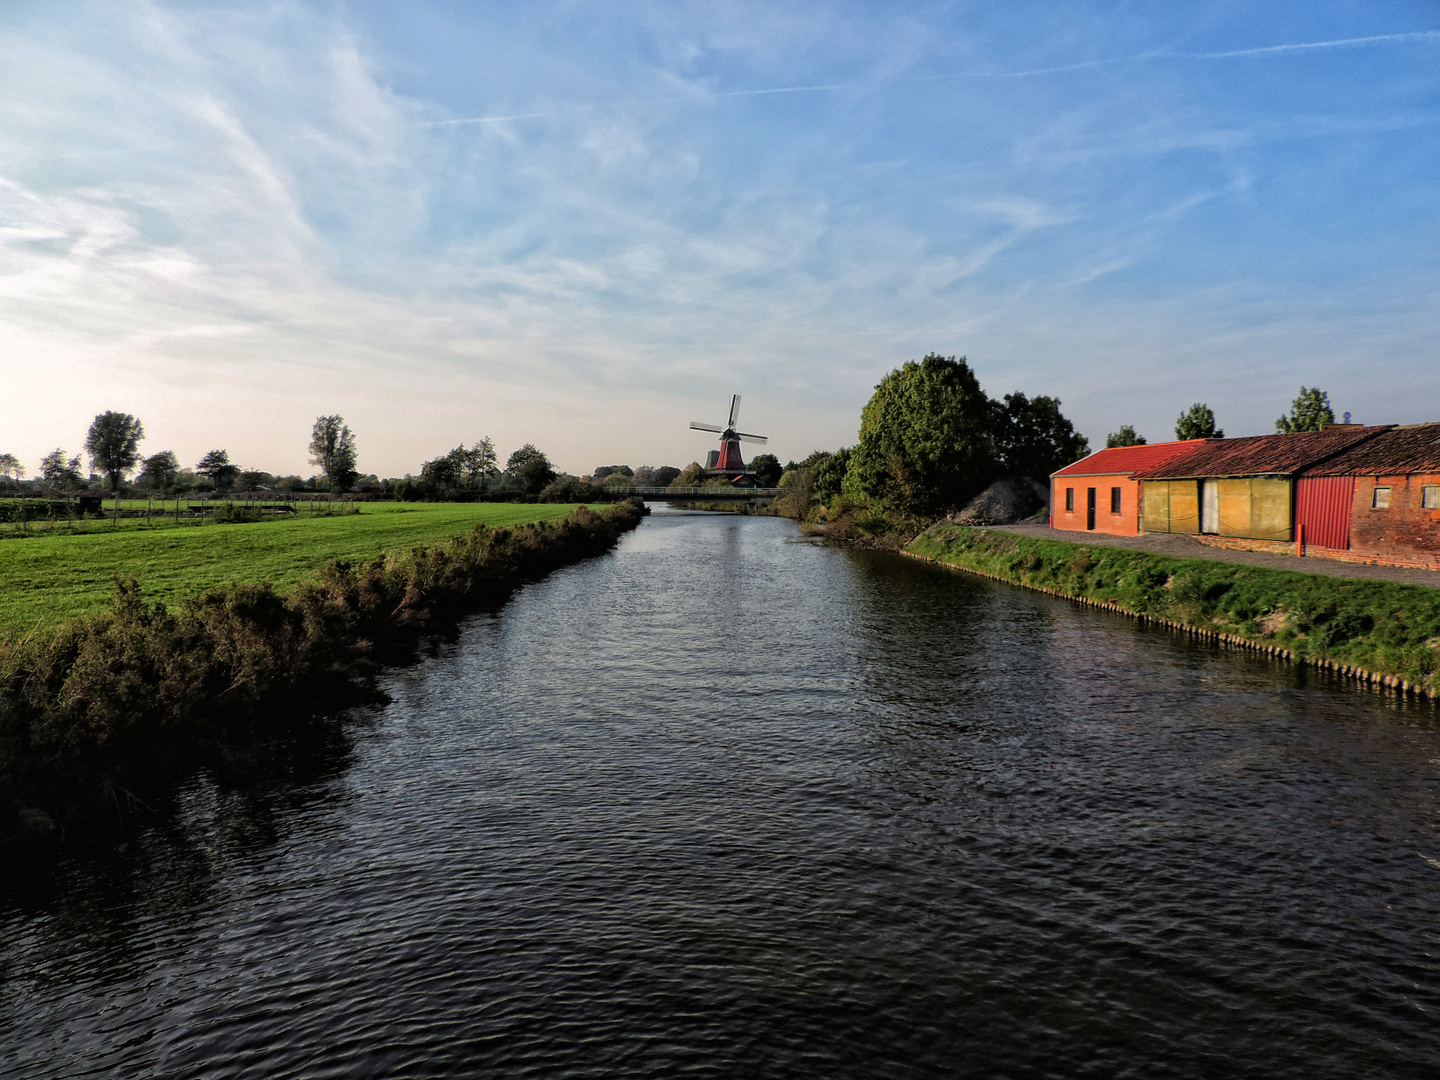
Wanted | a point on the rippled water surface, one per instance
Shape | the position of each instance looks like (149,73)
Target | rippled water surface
(723,804)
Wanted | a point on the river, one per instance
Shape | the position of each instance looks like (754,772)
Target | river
(725,804)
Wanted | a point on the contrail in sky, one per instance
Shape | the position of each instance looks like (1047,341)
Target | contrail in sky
(1264,50)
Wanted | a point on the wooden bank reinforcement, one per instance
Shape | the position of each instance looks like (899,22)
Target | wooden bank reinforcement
(1373,679)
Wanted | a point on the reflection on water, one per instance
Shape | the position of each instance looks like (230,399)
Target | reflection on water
(725,804)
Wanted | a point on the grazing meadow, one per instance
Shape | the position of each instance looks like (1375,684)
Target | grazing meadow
(49,578)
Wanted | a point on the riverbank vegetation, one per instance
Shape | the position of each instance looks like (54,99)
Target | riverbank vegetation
(87,705)
(1375,626)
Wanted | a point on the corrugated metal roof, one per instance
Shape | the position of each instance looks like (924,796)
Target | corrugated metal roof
(1124,460)
(1260,455)
(1396,452)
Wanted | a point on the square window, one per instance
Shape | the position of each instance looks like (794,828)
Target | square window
(1070,500)
(1382,499)
(1430,497)
(1114,500)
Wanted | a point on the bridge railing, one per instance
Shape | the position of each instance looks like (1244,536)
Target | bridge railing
(693,494)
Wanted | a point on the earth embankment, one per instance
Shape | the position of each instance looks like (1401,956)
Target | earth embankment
(1383,632)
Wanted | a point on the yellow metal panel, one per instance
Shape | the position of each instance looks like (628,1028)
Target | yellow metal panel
(1155,505)
(1234,496)
(1270,509)
(1184,506)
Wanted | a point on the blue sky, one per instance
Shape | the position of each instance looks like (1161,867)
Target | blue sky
(585,224)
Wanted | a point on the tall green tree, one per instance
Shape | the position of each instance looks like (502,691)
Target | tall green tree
(1310,411)
(1033,438)
(1197,422)
(1124,437)
(533,469)
(925,443)
(113,443)
(332,451)
(10,466)
(766,468)
(218,469)
(159,470)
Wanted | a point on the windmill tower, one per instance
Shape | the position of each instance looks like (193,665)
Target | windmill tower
(729,462)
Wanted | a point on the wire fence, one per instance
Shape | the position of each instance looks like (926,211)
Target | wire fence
(23,513)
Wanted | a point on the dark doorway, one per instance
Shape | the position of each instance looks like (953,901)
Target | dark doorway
(1090,508)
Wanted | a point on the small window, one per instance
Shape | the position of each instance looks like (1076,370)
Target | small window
(1382,498)
(1430,497)
(1114,500)
(1069,500)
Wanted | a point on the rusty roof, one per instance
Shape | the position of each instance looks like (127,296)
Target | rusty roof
(1414,448)
(1124,460)
(1260,455)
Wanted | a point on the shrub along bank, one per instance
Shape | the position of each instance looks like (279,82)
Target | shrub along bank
(87,707)
(1365,628)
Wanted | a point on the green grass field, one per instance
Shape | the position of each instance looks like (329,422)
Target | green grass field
(48,579)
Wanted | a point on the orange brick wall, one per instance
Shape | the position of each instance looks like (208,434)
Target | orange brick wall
(1405,528)
(1125,523)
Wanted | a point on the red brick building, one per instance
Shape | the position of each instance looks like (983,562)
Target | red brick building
(1382,498)
(1097,493)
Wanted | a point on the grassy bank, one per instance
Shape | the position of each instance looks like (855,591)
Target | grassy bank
(47,580)
(1363,627)
(90,706)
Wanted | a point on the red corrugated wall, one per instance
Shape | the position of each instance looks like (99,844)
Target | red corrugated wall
(1322,506)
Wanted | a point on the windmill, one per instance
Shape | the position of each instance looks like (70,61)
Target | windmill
(728,461)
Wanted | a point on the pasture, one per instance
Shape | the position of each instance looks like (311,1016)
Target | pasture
(46,579)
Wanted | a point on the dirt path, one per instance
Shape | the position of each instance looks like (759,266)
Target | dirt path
(1186,547)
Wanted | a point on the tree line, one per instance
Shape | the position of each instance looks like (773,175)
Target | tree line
(931,440)
(1310,411)
(112,445)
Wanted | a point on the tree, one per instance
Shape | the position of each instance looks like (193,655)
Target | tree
(10,466)
(827,472)
(1124,437)
(1198,422)
(442,473)
(1033,438)
(216,467)
(1309,412)
(113,445)
(332,450)
(531,467)
(664,476)
(924,438)
(766,468)
(480,463)
(57,472)
(159,470)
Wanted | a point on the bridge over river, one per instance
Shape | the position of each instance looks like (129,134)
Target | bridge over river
(706,494)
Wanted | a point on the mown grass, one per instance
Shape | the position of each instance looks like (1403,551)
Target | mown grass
(46,580)
(1383,627)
